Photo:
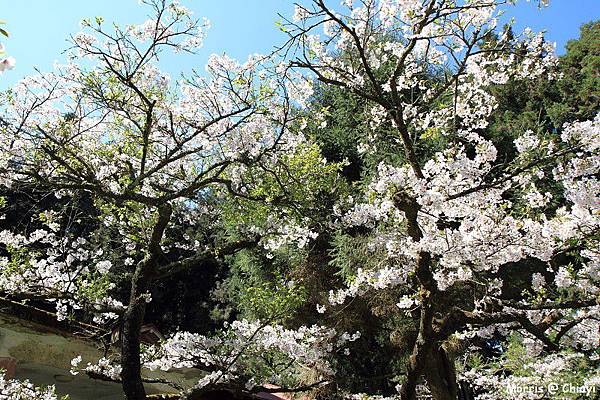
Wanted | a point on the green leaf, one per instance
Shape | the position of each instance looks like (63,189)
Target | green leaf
(280,26)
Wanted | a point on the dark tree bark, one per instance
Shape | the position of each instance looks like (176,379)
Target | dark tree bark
(440,373)
(416,362)
(133,318)
(428,358)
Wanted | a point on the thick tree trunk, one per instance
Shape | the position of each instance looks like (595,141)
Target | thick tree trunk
(414,369)
(438,369)
(428,289)
(440,373)
(421,350)
(133,318)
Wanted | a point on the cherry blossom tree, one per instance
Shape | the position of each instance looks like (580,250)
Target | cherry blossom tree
(151,155)
(453,223)
(151,177)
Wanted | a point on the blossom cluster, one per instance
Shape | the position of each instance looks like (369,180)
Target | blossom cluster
(487,234)
(236,350)
(12,389)
(55,267)
(536,379)
(104,367)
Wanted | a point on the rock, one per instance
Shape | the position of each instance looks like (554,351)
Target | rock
(9,365)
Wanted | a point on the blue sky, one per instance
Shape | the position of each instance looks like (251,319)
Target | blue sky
(40,28)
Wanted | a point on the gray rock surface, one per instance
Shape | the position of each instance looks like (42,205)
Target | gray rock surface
(44,358)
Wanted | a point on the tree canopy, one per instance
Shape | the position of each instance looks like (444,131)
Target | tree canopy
(401,201)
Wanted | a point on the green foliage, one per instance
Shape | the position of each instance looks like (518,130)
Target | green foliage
(347,118)
(18,261)
(302,180)
(300,177)
(350,252)
(544,105)
(262,289)
(580,83)
(94,286)
(273,300)
(135,218)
